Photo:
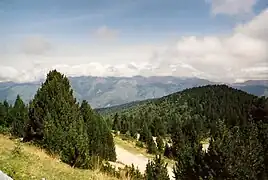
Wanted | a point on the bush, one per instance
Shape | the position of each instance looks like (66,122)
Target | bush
(139,144)
(4,130)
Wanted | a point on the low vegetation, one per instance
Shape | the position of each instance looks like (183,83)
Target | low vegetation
(27,162)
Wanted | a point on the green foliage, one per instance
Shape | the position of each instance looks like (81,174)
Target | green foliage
(139,144)
(19,114)
(5,117)
(99,136)
(151,146)
(57,124)
(160,144)
(156,169)
(133,173)
(190,163)
(129,172)
(235,121)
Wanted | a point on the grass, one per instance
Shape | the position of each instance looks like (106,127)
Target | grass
(130,145)
(27,162)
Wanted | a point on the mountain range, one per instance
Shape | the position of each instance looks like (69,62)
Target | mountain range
(110,91)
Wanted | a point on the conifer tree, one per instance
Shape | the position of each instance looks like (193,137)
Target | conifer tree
(160,144)
(156,169)
(19,114)
(56,123)
(116,123)
(99,136)
(151,146)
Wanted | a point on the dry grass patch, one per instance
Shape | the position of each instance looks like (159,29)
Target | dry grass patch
(26,162)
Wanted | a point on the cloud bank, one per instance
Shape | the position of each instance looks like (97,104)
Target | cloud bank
(240,55)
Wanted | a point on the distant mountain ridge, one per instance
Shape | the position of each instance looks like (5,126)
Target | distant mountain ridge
(110,91)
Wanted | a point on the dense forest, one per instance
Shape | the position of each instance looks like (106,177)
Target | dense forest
(233,122)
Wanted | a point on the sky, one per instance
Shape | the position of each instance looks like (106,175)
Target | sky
(218,40)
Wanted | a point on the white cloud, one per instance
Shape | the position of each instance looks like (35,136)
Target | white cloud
(232,7)
(225,58)
(241,55)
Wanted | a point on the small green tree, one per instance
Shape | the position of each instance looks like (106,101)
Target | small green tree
(156,169)
(160,144)
(19,115)
(151,146)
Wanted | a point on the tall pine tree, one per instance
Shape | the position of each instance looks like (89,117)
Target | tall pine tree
(56,123)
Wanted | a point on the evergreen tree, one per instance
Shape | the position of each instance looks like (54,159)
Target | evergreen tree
(160,144)
(190,163)
(145,134)
(116,123)
(151,146)
(156,169)
(99,136)
(56,123)
(19,116)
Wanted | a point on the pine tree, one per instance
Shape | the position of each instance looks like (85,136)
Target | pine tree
(99,136)
(160,144)
(116,123)
(156,169)
(145,134)
(19,116)
(56,123)
(190,163)
(151,146)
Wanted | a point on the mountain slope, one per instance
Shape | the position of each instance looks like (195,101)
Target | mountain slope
(110,91)
(201,104)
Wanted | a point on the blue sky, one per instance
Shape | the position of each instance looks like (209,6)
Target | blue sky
(68,19)
(82,23)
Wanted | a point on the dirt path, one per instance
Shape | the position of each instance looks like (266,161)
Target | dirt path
(139,160)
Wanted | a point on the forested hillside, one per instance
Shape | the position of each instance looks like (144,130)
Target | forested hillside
(205,105)
(231,120)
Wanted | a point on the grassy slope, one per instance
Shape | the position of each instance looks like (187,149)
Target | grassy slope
(34,163)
